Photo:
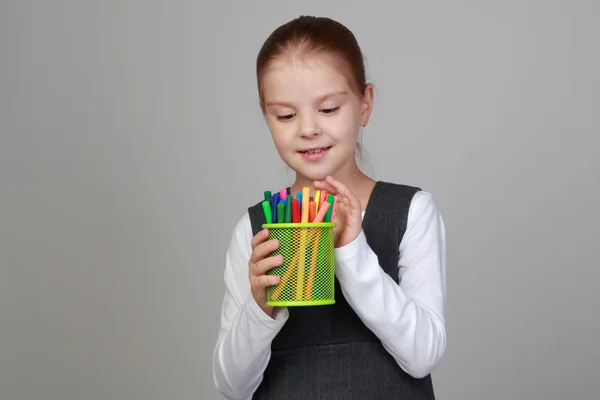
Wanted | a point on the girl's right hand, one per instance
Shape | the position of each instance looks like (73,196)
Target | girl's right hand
(259,264)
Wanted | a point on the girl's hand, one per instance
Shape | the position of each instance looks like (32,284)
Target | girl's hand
(259,264)
(348,214)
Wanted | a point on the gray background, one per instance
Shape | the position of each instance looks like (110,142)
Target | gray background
(128,136)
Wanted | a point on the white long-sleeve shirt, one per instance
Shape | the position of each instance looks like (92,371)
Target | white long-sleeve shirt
(408,318)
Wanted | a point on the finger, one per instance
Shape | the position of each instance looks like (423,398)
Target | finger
(347,196)
(266,264)
(339,186)
(260,237)
(266,281)
(262,250)
(322,185)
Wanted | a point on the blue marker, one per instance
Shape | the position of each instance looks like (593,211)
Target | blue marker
(299,197)
(275,202)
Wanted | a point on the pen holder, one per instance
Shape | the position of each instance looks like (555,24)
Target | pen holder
(307,271)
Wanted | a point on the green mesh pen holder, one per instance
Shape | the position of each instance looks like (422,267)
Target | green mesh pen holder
(307,273)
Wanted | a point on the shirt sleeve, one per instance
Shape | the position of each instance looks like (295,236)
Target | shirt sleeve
(243,347)
(409,317)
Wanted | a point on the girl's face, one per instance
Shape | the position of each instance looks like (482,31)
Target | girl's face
(313,115)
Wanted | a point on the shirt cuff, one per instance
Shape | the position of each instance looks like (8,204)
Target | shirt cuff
(351,250)
(280,315)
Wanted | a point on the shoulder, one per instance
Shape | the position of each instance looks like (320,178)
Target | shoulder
(414,206)
(415,197)
(396,189)
(423,201)
(424,217)
(241,236)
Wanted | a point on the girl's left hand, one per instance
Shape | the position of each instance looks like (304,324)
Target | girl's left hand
(348,212)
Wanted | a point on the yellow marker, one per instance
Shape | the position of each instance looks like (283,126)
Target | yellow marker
(317,196)
(305,203)
(302,244)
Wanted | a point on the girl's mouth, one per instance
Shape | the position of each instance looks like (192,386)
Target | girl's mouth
(315,154)
(315,150)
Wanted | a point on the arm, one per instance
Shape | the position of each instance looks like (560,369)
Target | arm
(243,347)
(408,318)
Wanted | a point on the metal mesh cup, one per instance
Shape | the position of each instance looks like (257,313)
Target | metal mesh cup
(307,271)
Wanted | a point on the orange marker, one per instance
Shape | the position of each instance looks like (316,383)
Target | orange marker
(312,211)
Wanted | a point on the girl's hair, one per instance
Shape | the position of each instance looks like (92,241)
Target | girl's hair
(308,34)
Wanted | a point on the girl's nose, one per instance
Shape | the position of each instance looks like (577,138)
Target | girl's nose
(309,127)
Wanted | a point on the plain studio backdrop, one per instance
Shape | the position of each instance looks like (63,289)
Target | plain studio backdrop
(132,142)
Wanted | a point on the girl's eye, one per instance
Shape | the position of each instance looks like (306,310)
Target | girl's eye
(285,117)
(329,110)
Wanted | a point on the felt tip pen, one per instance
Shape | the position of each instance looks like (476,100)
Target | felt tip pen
(288,208)
(330,200)
(311,211)
(305,203)
(320,217)
(267,195)
(299,197)
(266,205)
(280,213)
(275,202)
(295,210)
(335,201)
(323,197)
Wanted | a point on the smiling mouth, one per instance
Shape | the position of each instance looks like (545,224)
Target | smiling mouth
(315,150)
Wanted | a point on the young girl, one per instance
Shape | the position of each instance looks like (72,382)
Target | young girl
(386,332)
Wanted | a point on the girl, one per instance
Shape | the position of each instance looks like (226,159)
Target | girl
(386,332)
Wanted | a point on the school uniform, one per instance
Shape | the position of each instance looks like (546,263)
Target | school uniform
(382,337)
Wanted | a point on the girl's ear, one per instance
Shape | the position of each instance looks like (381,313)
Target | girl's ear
(367,105)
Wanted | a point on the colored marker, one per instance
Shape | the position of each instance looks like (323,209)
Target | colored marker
(283,193)
(299,197)
(302,245)
(317,200)
(266,205)
(267,195)
(281,213)
(330,200)
(334,207)
(305,203)
(295,210)
(288,191)
(288,208)
(320,217)
(275,200)
(323,197)
(311,211)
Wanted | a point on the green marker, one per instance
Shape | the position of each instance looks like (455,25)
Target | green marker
(280,213)
(267,195)
(330,200)
(266,205)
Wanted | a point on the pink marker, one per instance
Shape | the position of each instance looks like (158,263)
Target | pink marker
(283,194)
(320,217)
